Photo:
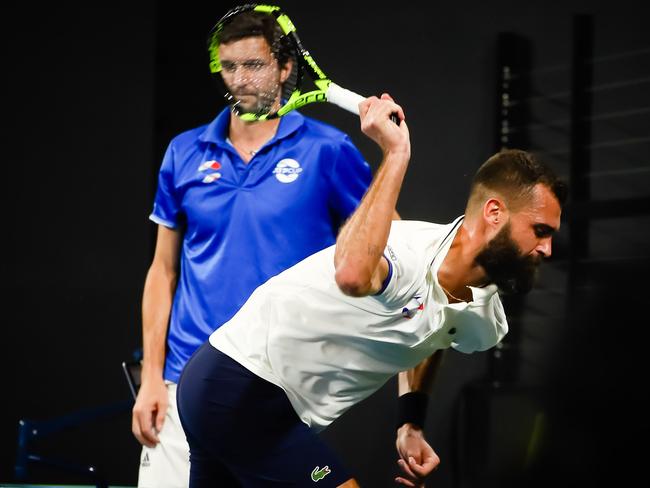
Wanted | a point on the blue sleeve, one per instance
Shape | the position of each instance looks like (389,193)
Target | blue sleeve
(350,179)
(167,205)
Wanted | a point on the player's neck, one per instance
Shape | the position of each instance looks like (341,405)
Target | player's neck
(249,137)
(252,133)
(459,269)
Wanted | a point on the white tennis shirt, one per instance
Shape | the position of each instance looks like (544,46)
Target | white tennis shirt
(329,351)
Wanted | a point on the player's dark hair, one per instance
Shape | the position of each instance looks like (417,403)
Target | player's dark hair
(253,24)
(513,174)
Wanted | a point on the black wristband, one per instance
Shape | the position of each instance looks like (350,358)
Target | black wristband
(412,408)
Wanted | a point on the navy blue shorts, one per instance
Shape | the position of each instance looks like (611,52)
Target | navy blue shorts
(243,431)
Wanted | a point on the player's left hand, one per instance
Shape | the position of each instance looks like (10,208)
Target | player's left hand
(417,458)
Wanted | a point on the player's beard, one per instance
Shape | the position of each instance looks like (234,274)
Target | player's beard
(506,266)
(259,101)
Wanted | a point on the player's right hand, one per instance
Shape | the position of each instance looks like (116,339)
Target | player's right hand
(149,411)
(376,123)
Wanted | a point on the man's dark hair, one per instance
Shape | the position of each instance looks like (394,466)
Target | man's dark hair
(254,24)
(513,173)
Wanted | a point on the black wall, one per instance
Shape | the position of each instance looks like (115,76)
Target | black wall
(94,94)
(77,188)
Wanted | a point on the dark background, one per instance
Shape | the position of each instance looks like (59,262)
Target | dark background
(93,93)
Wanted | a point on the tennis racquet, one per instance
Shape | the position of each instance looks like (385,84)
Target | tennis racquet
(304,67)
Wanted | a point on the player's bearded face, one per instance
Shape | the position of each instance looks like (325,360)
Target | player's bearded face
(505,264)
(251,74)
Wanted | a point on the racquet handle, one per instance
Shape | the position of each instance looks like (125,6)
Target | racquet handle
(348,100)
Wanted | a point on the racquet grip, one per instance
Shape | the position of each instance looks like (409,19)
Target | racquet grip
(344,98)
(348,100)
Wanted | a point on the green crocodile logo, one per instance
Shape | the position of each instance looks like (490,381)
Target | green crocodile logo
(318,474)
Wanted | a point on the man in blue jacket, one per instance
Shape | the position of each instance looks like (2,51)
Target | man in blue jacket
(237,203)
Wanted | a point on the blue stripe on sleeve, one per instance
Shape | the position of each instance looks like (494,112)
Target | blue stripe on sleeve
(388,277)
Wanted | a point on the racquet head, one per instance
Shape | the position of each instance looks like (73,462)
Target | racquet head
(254,56)
(263,69)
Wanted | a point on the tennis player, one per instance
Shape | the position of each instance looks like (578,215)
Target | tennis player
(323,335)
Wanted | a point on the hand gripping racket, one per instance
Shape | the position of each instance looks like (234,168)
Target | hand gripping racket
(304,67)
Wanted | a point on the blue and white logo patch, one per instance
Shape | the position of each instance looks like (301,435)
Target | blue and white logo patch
(287,170)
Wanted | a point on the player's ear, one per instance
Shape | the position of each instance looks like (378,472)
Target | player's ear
(494,212)
(285,70)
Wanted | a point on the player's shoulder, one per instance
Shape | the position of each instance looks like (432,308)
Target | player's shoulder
(419,233)
(323,130)
(186,146)
(411,227)
(189,137)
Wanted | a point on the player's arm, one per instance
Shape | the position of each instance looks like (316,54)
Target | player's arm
(151,404)
(417,458)
(360,269)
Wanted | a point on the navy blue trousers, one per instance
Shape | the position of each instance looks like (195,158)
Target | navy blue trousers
(243,431)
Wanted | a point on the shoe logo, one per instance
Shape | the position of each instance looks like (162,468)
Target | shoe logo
(287,170)
(210,165)
(318,474)
(145,460)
